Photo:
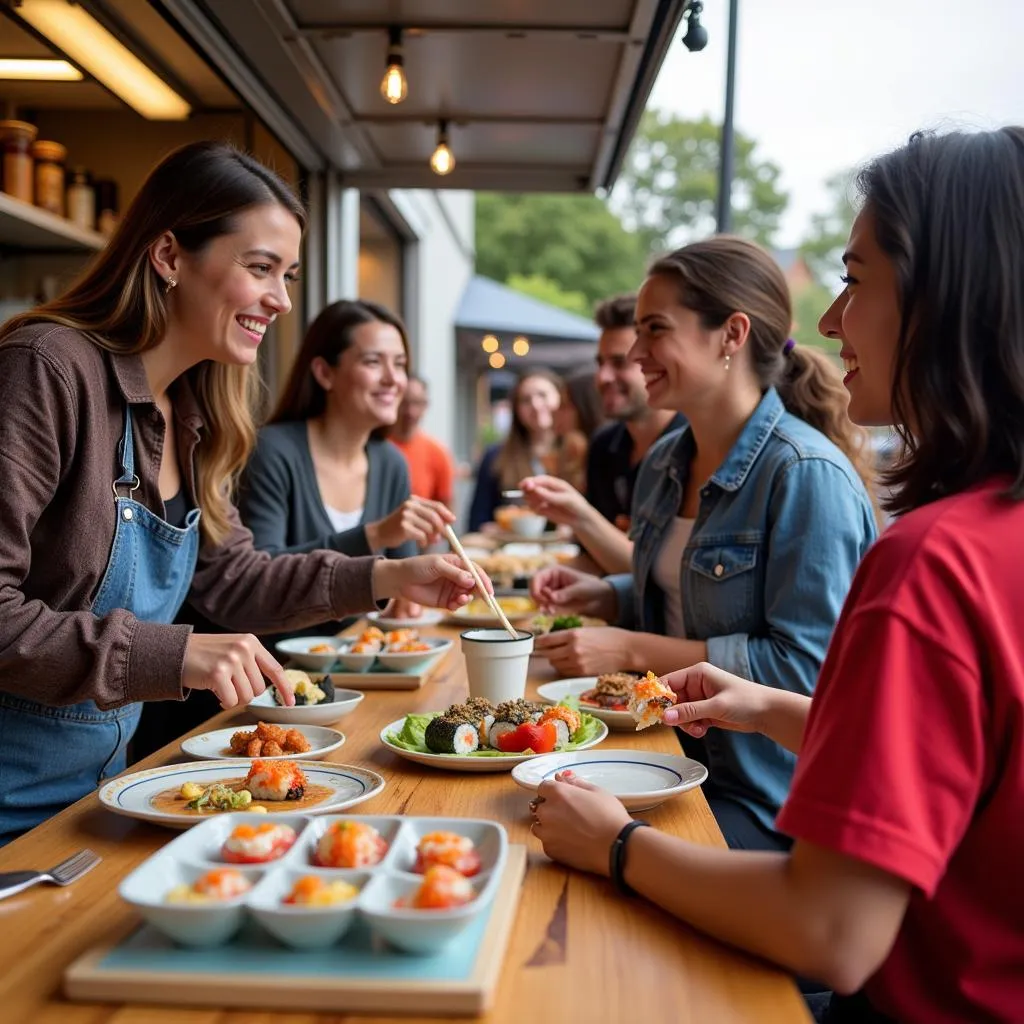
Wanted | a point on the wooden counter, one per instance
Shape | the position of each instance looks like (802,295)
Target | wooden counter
(578,952)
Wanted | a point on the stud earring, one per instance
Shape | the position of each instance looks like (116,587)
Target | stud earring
(728,359)
(170,283)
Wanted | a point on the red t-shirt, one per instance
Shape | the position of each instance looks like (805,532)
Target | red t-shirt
(430,467)
(913,756)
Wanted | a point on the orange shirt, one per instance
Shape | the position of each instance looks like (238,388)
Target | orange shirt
(430,467)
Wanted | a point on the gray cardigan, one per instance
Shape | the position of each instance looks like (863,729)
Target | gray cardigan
(279,497)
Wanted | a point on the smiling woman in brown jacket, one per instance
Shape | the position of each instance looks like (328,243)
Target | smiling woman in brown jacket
(124,419)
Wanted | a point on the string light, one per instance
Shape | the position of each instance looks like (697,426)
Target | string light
(393,86)
(490,343)
(443,160)
(520,346)
(497,361)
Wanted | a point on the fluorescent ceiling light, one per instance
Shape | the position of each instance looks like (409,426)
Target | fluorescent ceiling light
(109,61)
(38,70)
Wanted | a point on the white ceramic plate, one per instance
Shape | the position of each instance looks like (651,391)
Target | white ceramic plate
(265,709)
(462,617)
(641,780)
(430,617)
(296,650)
(555,693)
(131,795)
(216,744)
(559,535)
(468,763)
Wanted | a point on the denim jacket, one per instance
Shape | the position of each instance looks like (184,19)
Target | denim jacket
(781,527)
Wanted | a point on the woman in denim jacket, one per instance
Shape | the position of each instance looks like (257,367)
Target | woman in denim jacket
(748,523)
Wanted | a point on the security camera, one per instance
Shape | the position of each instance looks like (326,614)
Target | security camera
(696,37)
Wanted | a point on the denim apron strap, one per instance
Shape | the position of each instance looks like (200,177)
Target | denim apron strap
(52,756)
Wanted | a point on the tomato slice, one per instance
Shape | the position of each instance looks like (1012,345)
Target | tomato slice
(540,738)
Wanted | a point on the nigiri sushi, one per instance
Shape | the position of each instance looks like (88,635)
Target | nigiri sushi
(442,888)
(649,699)
(257,844)
(450,849)
(350,844)
(275,780)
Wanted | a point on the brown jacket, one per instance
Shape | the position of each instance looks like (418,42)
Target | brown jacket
(62,405)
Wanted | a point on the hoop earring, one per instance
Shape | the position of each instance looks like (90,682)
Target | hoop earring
(170,283)
(728,359)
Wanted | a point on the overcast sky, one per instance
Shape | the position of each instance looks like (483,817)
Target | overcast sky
(823,85)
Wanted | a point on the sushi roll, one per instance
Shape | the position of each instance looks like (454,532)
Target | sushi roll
(565,720)
(508,716)
(649,699)
(275,780)
(215,886)
(450,849)
(482,713)
(306,691)
(451,735)
(257,844)
(314,891)
(350,844)
(442,888)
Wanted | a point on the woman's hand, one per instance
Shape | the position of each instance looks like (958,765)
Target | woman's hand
(555,499)
(590,651)
(416,519)
(561,589)
(710,696)
(577,823)
(438,581)
(232,666)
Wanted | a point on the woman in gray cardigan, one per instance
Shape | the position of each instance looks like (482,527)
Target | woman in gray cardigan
(322,476)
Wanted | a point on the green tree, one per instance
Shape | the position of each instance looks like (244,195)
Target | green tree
(574,242)
(551,292)
(830,231)
(808,305)
(669,185)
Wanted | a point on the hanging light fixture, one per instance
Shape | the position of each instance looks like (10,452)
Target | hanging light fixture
(443,160)
(393,86)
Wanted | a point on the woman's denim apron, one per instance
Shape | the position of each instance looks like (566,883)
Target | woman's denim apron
(52,756)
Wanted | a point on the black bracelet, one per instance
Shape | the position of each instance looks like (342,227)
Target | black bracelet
(617,857)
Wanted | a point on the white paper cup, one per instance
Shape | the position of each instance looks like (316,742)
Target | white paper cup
(496,665)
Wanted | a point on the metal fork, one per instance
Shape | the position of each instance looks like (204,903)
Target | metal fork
(65,873)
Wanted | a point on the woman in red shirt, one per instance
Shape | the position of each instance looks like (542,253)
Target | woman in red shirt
(907,808)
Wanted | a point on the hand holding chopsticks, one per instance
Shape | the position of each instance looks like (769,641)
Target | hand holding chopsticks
(484,592)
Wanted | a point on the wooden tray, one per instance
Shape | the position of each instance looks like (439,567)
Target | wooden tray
(354,976)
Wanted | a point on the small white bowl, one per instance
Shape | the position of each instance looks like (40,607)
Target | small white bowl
(412,661)
(301,926)
(190,924)
(266,709)
(354,662)
(529,525)
(419,931)
(297,651)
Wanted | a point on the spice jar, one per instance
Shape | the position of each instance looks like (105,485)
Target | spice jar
(49,158)
(16,139)
(106,207)
(81,199)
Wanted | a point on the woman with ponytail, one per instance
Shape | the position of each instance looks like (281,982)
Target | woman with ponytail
(747,524)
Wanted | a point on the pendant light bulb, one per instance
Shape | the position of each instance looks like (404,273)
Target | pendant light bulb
(393,86)
(443,160)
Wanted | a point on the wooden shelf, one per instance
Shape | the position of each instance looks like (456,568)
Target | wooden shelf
(28,227)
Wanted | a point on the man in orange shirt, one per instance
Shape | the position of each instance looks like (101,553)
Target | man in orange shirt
(430,466)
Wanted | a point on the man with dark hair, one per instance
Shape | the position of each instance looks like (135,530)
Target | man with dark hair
(430,466)
(616,450)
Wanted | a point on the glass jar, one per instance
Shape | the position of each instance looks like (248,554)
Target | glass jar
(81,199)
(49,158)
(106,207)
(16,138)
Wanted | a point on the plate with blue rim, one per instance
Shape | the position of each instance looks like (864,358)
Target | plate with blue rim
(639,778)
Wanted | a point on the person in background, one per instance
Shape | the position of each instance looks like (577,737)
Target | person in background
(124,417)
(322,474)
(748,523)
(578,417)
(531,439)
(600,517)
(431,471)
(902,889)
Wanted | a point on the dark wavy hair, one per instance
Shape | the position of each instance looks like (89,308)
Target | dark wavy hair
(948,210)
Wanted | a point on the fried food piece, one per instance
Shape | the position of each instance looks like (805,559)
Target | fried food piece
(253,748)
(240,740)
(272,749)
(269,731)
(295,742)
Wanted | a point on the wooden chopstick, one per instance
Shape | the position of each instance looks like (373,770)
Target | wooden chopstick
(484,592)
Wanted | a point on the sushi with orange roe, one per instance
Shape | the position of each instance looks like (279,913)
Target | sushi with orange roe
(215,886)
(276,780)
(649,699)
(450,849)
(350,844)
(400,636)
(566,721)
(442,888)
(314,891)
(257,844)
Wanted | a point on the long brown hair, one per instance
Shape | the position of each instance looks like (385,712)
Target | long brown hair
(514,460)
(723,275)
(120,304)
(948,210)
(327,337)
